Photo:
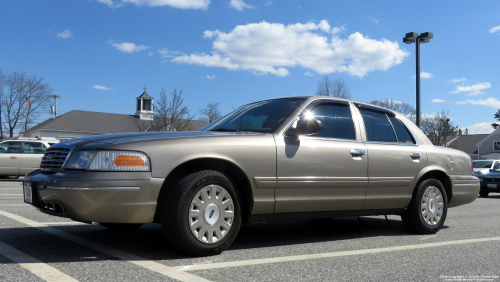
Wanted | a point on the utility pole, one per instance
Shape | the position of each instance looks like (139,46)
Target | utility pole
(55,104)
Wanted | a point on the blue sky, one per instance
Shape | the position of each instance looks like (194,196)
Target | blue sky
(98,55)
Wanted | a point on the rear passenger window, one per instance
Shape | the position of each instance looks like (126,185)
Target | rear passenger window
(402,132)
(336,121)
(378,127)
(34,148)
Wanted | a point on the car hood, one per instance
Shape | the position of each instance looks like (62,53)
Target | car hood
(120,138)
(490,175)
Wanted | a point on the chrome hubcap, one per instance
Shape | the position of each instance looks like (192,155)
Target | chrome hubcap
(211,214)
(432,206)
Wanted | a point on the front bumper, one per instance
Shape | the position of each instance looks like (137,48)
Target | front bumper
(113,197)
(485,188)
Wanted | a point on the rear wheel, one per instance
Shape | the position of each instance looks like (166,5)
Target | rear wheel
(201,214)
(484,194)
(121,226)
(427,210)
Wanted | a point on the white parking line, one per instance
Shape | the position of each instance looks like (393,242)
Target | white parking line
(11,194)
(151,265)
(40,269)
(14,205)
(329,255)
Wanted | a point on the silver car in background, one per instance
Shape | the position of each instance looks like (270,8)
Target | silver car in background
(278,159)
(20,156)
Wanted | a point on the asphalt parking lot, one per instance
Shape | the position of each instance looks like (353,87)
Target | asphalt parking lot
(38,247)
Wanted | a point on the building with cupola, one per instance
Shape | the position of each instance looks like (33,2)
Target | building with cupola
(77,123)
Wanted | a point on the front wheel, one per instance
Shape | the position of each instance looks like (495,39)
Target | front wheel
(201,214)
(427,210)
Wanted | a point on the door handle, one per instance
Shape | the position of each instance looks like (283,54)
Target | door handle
(357,152)
(415,156)
(13,157)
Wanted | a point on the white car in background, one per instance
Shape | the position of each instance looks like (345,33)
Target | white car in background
(20,156)
(483,166)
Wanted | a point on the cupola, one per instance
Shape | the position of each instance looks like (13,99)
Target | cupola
(145,110)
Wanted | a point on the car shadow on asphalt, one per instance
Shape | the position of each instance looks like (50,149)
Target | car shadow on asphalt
(148,242)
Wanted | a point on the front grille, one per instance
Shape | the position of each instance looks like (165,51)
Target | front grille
(54,158)
(492,180)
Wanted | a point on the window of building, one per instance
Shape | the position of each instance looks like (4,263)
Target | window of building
(496,146)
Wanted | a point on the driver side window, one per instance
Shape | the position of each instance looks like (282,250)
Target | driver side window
(336,121)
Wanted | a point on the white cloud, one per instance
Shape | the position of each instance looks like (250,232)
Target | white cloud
(181,4)
(479,128)
(374,20)
(425,75)
(269,3)
(272,47)
(438,101)
(128,47)
(240,5)
(65,34)
(209,76)
(490,102)
(474,89)
(151,54)
(99,87)
(338,29)
(495,29)
(455,80)
(308,73)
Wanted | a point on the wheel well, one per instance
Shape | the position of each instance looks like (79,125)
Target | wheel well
(441,176)
(230,170)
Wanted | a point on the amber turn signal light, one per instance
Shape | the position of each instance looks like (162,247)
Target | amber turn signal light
(129,161)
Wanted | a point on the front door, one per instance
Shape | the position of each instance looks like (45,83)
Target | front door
(326,171)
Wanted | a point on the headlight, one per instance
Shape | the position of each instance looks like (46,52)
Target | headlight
(109,160)
(481,179)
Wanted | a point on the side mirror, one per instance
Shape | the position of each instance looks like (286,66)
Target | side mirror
(491,170)
(305,126)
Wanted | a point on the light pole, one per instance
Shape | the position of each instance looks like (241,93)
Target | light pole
(422,38)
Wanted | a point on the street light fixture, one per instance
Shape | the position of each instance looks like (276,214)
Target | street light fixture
(422,38)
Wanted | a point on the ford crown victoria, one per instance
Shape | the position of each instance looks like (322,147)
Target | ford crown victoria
(286,158)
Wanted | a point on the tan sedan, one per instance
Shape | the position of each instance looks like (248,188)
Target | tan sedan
(287,158)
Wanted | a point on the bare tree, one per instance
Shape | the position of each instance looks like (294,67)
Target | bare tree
(143,125)
(333,88)
(210,113)
(24,96)
(170,115)
(2,79)
(406,109)
(438,128)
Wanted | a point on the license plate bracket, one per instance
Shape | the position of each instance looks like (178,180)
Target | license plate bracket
(492,186)
(30,193)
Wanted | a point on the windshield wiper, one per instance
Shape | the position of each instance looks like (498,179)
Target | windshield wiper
(224,129)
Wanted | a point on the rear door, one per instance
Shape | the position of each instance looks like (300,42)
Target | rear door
(10,157)
(394,159)
(31,156)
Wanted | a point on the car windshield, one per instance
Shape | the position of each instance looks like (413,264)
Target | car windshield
(482,164)
(265,116)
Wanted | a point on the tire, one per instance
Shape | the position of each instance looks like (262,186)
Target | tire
(428,208)
(484,194)
(121,226)
(201,214)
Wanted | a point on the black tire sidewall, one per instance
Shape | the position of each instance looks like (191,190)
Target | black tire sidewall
(413,217)
(193,245)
